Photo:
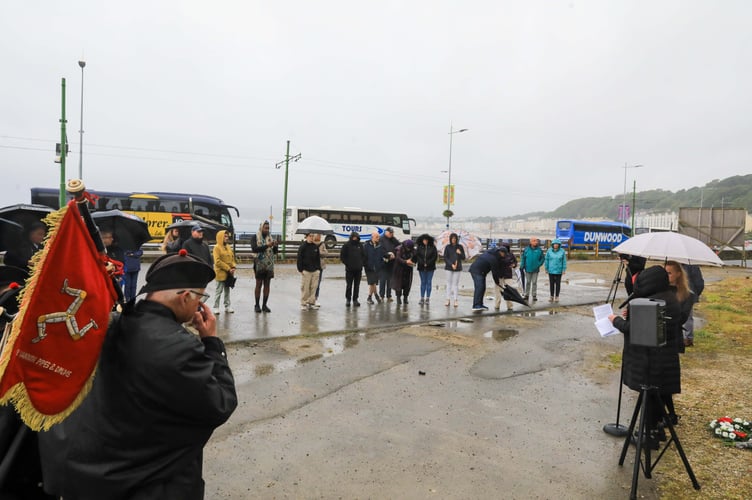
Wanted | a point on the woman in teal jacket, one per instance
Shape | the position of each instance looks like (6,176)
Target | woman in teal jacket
(556,265)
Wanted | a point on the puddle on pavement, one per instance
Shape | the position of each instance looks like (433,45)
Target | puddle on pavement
(329,346)
(588,282)
(535,314)
(501,334)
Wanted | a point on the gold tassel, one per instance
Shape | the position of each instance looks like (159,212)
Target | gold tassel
(18,394)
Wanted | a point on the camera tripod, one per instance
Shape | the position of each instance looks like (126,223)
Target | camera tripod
(615,284)
(616,429)
(649,397)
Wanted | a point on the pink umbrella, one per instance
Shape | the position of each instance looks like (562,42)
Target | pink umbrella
(469,242)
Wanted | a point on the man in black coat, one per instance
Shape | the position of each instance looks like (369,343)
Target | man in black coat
(197,247)
(159,393)
(389,243)
(353,256)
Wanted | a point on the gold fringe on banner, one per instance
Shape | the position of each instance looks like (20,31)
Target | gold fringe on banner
(18,394)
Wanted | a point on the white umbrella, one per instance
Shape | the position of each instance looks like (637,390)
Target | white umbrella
(670,246)
(314,225)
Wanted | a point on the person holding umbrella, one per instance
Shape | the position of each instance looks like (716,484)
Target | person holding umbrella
(556,265)
(654,366)
(172,242)
(505,277)
(224,269)
(488,262)
(20,256)
(309,267)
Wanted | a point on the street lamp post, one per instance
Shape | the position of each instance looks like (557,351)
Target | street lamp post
(624,203)
(449,171)
(82,64)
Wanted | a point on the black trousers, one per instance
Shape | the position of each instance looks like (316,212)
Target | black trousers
(554,282)
(352,290)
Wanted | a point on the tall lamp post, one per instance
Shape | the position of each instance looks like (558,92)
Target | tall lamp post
(449,197)
(624,203)
(82,64)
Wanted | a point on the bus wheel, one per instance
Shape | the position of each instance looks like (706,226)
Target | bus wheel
(329,242)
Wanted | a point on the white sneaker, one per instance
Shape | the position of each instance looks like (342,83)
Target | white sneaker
(229,310)
(304,307)
(216,310)
(314,306)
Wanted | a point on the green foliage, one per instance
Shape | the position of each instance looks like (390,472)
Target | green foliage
(732,192)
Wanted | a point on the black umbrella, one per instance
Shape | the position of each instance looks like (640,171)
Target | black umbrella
(512,294)
(25,214)
(11,234)
(130,231)
(184,226)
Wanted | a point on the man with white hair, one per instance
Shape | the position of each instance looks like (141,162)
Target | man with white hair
(159,393)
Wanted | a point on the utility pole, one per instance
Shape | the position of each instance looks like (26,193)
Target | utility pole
(634,201)
(286,163)
(63,150)
(81,64)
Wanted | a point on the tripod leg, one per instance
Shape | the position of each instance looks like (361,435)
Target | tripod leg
(628,440)
(640,438)
(615,284)
(679,448)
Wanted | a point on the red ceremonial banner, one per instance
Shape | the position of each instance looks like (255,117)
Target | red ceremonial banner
(47,364)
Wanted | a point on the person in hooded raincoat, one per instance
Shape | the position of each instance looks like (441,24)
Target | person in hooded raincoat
(426,255)
(224,268)
(353,256)
(402,278)
(556,265)
(454,254)
(654,366)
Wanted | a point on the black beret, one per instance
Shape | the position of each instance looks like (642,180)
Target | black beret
(177,270)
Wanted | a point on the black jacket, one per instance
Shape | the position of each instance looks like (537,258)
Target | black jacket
(199,249)
(309,257)
(658,366)
(21,254)
(426,255)
(158,395)
(353,255)
(390,246)
(374,256)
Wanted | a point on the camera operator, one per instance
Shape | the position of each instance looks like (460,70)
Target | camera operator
(654,366)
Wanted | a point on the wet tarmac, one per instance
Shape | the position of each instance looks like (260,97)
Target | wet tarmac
(388,401)
(287,319)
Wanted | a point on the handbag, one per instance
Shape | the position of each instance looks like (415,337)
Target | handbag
(230,281)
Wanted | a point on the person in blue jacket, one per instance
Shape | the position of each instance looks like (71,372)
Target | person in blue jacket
(556,265)
(489,261)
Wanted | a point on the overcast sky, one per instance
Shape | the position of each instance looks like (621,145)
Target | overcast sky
(201,97)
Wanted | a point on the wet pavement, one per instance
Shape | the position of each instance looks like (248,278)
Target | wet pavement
(287,319)
(387,401)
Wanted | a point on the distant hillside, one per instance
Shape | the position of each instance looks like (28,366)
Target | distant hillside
(732,192)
